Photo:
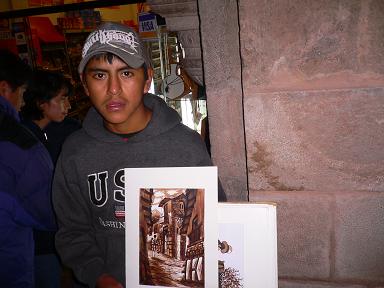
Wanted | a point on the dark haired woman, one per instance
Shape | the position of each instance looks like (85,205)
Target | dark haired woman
(46,107)
(46,100)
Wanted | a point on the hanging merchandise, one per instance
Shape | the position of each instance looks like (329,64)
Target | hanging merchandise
(173,84)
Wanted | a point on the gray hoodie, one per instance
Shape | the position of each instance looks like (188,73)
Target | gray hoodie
(88,185)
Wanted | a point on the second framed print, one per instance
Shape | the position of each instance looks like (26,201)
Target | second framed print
(171,227)
(247,245)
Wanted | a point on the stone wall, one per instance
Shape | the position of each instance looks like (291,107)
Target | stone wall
(313,76)
(329,239)
(314,97)
(296,108)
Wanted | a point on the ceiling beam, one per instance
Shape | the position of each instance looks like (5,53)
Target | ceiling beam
(65,7)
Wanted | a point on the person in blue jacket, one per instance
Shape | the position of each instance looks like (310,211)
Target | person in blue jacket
(25,180)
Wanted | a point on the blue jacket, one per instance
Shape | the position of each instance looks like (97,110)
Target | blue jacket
(25,197)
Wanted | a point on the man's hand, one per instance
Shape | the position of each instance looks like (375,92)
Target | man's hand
(107,281)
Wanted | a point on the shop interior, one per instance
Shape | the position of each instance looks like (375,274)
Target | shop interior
(49,34)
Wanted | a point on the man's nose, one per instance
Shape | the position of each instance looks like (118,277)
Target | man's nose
(114,85)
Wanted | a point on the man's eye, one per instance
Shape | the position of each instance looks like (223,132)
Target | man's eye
(99,75)
(127,74)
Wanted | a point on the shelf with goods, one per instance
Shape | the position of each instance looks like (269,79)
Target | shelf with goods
(65,58)
(59,59)
(74,41)
(74,26)
(54,57)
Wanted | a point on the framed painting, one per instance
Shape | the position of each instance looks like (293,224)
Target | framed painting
(171,227)
(247,245)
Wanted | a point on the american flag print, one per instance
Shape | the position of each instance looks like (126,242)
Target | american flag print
(120,211)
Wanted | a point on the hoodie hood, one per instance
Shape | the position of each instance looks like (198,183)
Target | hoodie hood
(163,119)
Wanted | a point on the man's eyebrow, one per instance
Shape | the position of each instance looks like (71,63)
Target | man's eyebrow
(125,68)
(97,69)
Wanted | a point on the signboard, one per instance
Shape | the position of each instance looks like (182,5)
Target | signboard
(147,25)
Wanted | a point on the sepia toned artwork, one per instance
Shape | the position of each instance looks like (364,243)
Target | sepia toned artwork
(171,227)
(172,237)
(247,245)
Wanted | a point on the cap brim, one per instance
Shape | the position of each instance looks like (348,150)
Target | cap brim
(132,61)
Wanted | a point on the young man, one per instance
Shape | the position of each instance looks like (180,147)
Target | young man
(126,128)
(25,180)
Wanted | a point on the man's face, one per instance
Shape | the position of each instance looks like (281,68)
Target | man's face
(116,90)
(15,97)
(18,97)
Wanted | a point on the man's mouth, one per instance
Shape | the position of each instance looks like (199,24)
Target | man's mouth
(115,106)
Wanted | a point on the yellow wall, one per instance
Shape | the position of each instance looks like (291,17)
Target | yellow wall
(23,4)
(126,12)
(5,5)
(19,4)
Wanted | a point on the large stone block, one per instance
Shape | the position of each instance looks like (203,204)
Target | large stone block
(222,72)
(316,140)
(301,45)
(304,229)
(359,236)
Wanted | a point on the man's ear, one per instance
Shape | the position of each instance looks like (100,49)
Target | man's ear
(148,82)
(82,78)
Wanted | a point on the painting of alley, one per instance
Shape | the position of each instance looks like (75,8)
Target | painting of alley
(172,237)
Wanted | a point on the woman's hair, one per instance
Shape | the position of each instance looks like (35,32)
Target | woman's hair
(43,86)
